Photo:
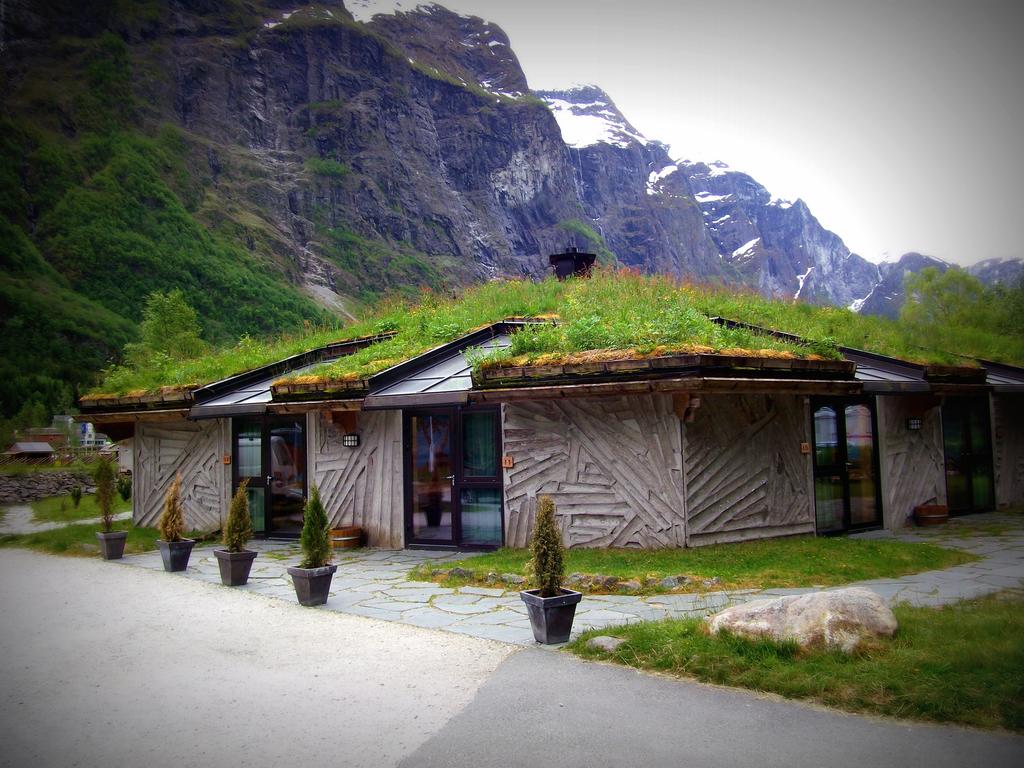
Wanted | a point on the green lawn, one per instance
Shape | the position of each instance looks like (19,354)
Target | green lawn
(59,509)
(960,664)
(803,561)
(80,539)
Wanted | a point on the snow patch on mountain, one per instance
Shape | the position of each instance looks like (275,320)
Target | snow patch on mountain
(365,10)
(748,248)
(800,280)
(595,120)
(656,176)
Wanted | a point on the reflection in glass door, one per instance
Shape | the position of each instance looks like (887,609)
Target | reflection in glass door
(271,454)
(967,442)
(453,478)
(846,490)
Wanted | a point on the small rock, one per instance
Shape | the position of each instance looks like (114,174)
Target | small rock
(492,578)
(439,572)
(669,582)
(714,581)
(601,581)
(630,585)
(605,643)
(651,581)
(682,580)
(577,580)
(460,573)
(512,578)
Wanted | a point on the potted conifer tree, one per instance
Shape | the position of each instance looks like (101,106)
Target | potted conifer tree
(174,547)
(111,542)
(551,607)
(312,577)
(235,560)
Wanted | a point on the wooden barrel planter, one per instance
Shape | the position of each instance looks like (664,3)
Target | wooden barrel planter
(931,514)
(347,538)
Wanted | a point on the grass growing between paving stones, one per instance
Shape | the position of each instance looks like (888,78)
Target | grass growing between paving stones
(803,561)
(80,539)
(962,663)
(59,509)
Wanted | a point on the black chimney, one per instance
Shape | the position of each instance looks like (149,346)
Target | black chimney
(572,263)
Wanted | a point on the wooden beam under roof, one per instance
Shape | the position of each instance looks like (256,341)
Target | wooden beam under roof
(709,385)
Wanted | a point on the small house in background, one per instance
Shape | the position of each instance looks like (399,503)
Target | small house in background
(30,450)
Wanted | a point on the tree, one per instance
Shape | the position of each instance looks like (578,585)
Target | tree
(316,537)
(103,476)
(238,529)
(947,298)
(169,327)
(172,520)
(546,546)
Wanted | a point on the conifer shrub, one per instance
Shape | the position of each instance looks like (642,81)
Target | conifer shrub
(76,496)
(546,547)
(103,476)
(238,529)
(172,519)
(124,487)
(316,537)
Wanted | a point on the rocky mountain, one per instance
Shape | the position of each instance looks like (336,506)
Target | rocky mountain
(286,161)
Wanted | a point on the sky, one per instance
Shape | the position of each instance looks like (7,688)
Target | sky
(899,122)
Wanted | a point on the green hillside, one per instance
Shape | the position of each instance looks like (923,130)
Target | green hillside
(98,208)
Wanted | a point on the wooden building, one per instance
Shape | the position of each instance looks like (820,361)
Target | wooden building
(665,452)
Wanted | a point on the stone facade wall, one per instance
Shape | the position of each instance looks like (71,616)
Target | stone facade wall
(1008,448)
(613,466)
(912,461)
(746,477)
(195,450)
(364,485)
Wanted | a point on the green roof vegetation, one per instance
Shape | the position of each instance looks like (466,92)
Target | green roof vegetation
(616,313)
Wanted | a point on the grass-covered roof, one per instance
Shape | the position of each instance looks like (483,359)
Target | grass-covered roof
(613,314)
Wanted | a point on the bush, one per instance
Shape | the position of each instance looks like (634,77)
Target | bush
(172,519)
(103,476)
(316,538)
(76,496)
(124,487)
(546,547)
(238,530)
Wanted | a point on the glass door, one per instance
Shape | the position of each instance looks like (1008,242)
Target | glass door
(453,477)
(271,454)
(967,443)
(846,489)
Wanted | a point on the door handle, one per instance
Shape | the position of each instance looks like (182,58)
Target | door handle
(450,478)
(270,480)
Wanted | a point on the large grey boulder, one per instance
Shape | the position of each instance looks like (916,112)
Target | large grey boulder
(838,619)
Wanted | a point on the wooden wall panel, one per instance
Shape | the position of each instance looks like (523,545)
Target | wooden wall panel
(195,450)
(1008,448)
(745,475)
(913,462)
(362,486)
(612,465)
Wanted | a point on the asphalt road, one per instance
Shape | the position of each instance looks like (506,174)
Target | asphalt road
(106,665)
(546,709)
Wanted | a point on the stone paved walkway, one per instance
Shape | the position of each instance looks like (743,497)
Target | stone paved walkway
(373,583)
(17,519)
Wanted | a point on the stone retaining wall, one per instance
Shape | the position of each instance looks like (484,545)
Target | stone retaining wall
(32,486)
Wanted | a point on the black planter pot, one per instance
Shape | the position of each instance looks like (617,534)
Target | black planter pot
(175,553)
(312,584)
(112,544)
(551,617)
(234,566)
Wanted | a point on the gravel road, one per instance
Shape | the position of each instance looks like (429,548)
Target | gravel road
(105,665)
